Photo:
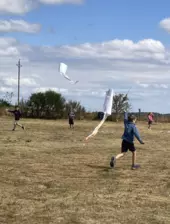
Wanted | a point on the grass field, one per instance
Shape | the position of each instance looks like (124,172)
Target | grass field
(48,175)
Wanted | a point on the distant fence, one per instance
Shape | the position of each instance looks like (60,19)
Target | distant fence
(163,118)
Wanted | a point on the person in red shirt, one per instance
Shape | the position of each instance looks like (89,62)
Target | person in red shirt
(17,116)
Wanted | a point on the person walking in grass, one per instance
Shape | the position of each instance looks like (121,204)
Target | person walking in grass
(150,120)
(17,117)
(130,131)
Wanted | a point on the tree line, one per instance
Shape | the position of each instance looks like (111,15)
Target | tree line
(52,105)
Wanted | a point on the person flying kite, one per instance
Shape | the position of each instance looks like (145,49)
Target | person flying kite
(17,116)
(130,131)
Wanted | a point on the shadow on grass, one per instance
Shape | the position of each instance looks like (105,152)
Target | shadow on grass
(103,168)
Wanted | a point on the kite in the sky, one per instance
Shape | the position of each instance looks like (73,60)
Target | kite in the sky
(107,109)
(62,70)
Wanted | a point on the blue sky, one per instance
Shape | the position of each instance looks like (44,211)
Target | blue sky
(142,62)
(95,21)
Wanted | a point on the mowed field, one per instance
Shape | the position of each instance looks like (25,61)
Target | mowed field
(49,174)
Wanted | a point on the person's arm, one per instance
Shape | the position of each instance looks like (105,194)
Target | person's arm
(125,117)
(136,133)
(11,111)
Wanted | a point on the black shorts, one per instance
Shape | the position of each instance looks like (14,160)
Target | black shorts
(127,146)
(71,121)
(149,122)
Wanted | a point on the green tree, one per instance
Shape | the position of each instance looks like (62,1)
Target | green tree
(120,104)
(36,103)
(76,107)
(6,100)
(54,104)
(49,104)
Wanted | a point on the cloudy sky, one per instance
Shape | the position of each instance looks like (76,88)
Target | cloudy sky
(106,44)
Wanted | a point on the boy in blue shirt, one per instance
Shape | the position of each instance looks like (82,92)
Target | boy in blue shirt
(130,132)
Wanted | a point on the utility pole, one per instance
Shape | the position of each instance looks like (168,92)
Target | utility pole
(19,69)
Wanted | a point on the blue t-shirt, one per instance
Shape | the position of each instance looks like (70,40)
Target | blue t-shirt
(130,131)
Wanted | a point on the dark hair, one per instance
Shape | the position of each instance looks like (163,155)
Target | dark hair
(131,118)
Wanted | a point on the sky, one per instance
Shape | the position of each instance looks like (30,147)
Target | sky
(105,43)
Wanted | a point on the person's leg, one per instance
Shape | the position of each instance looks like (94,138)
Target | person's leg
(149,125)
(124,149)
(133,150)
(133,158)
(15,124)
(71,123)
(120,155)
(113,159)
(20,125)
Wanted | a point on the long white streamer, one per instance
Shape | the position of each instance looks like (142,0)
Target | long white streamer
(107,108)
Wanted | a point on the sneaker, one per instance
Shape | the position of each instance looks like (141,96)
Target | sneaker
(112,162)
(23,127)
(134,167)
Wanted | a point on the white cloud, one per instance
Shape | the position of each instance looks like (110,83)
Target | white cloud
(18,26)
(44,89)
(165,24)
(16,6)
(5,89)
(11,81)
(152,85)
(115,64)
(144,85)
(8,47)
(115,49)
(61,1)
(23,6)
(164,86)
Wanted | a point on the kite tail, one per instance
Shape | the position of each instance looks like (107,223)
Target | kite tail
(97,128)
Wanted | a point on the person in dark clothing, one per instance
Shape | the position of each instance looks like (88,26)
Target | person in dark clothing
(17,116)
(130,132)
(71,117)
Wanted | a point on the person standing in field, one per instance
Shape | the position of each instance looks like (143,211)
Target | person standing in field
(71,117)
(17,117)
(150,120)
(130,131)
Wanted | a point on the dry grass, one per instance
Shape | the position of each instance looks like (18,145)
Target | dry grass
(48,175)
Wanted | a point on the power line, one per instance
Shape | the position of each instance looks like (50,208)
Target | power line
(19,71)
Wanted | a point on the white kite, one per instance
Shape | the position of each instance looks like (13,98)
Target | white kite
(63,69)
(107,109)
